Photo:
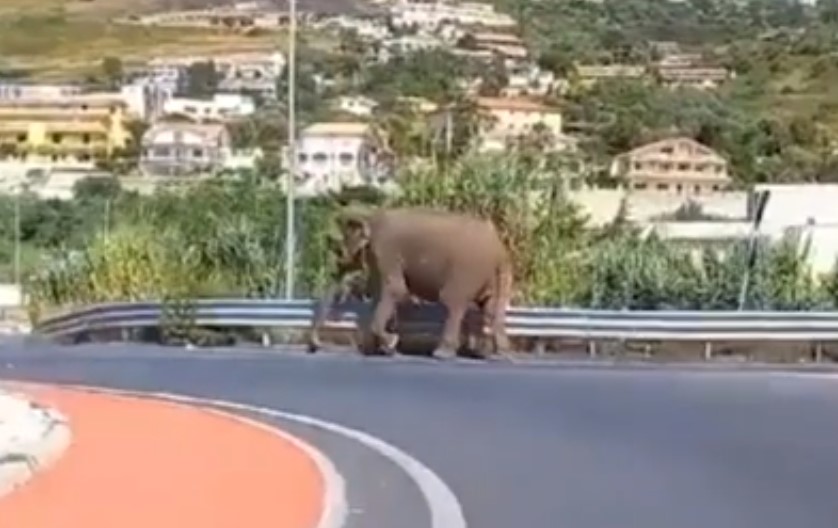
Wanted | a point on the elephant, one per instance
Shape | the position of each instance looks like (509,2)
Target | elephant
(435,256)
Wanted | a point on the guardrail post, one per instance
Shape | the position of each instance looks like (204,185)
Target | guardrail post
(592,348)
(818,352)
(708,350)
(266,340)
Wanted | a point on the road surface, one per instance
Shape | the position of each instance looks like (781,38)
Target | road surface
(563,446)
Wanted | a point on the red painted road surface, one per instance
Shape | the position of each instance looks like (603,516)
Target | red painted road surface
(137,463)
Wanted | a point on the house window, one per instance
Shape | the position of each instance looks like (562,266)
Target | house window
(320,157)
(637,165)
(85,138)
(683,167)
(667,150)
(161,152)
(697,189)
(56,138)
(663,187)
(716,188)
(197,153)
(679,188)
(346,158)
(640,186)
(302,157)
(21,138)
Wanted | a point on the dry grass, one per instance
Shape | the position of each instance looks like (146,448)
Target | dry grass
(67,39)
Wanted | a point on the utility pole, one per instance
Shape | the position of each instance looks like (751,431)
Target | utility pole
(290,243)
(761,202)
(17,241)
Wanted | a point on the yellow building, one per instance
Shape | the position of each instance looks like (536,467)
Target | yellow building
(71,129)
(509,118)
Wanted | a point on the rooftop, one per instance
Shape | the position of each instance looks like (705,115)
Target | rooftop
(337,129)
(513,103)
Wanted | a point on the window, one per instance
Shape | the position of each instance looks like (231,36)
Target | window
(637,165)
(161,152)
(716,188)
(640,186)
(56,138)
(346,158)
(85,138)
(667,150)
(197,153)
(679,188)
(21,138)
(697,189)
(320,157)
(302,157)
(683,167)
(663,187)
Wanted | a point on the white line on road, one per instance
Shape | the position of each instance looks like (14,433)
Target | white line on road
(445,508)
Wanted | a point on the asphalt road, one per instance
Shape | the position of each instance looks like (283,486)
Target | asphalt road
(527,446)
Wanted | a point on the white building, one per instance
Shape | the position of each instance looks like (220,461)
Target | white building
(221,107)
(254,72)
(368,29)
(13,91)
(146,97)
(429,16)
(358,105)
(180,149)
(334,155)
(407,44)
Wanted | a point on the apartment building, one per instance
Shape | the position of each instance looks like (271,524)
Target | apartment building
(679,166)
(429,16)
(506,45)
(676,70)
(72,130)
(16,91)
(252,72)
(332,155)
(508,119)
(405,45)
(698,77)
(181,149)
(588,75)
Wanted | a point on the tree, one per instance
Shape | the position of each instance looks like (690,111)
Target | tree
(113,71)
(201,80)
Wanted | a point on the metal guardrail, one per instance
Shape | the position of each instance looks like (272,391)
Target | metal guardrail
(534,322)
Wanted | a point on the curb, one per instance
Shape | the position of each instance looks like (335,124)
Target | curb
(32,438)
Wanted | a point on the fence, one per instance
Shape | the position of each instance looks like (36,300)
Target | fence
(534,323)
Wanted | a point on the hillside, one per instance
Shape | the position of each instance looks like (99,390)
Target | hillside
(66,39)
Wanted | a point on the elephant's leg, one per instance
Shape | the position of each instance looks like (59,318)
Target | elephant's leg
(456,302)
(394,292)
(321,313)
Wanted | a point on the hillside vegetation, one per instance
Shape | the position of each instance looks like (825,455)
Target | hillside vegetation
(67,39)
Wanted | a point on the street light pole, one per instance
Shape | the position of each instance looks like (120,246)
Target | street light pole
(290,243)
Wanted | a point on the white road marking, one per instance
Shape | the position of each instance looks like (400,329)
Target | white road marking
(445,508)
